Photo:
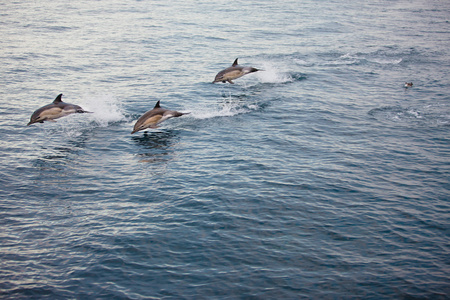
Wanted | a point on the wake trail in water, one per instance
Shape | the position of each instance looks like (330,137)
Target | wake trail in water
(226,109)
(105,109)
(272,72)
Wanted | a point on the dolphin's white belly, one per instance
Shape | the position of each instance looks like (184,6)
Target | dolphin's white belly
(152,120)
(232,75)
(55,113)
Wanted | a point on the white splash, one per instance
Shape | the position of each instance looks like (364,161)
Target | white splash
(224,109)
(273,73)
(105,109)
(414,113)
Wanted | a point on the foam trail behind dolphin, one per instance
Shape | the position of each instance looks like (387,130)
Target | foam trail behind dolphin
(106,109)
(228,108)
(273,73)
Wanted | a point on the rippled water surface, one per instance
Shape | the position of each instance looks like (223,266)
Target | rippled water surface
(318,177)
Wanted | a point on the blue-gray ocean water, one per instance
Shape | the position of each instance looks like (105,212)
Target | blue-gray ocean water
(319,177)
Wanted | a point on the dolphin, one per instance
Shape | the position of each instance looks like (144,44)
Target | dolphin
(54,110)
(233,72)
(408,84)
(155,116)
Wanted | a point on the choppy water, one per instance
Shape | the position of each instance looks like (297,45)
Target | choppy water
(320,177)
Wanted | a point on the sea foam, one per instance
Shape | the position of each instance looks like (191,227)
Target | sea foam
(273,73)
(225,109)
(105,109)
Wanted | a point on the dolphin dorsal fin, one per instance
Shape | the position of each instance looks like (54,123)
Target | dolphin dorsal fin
(235,63)
(157,105)
(58,99)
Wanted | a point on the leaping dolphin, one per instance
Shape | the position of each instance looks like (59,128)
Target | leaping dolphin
(233,72)
(54,110)
(155,116)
